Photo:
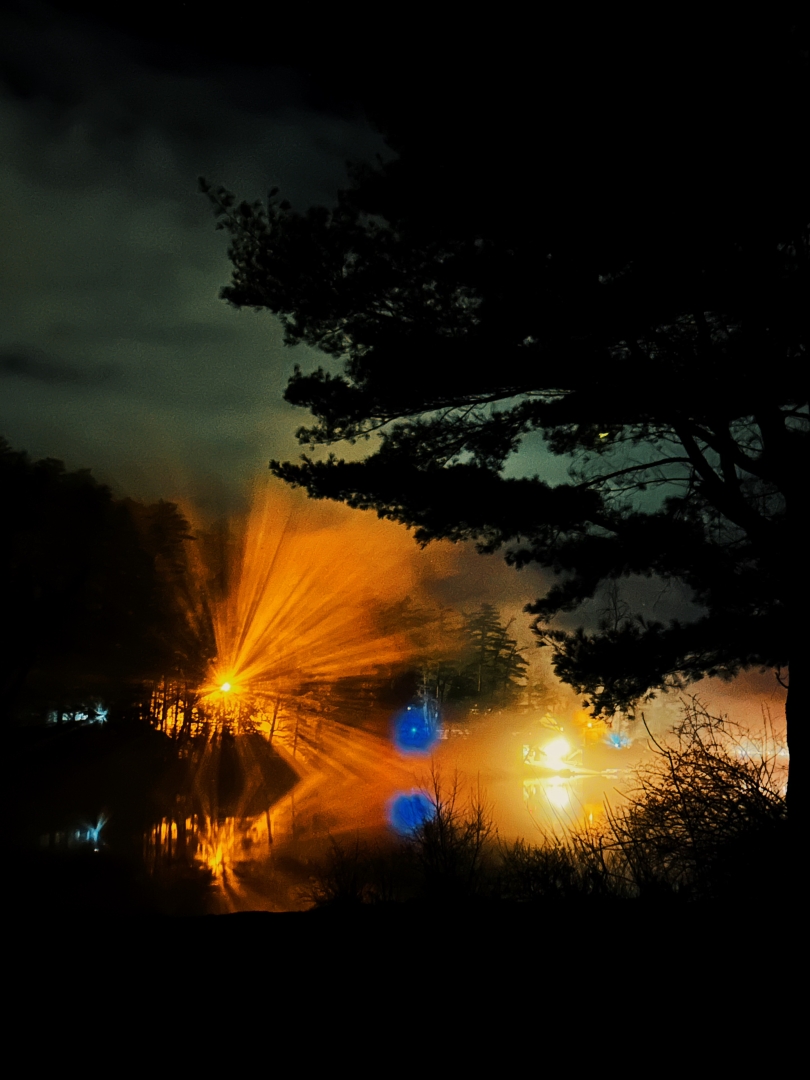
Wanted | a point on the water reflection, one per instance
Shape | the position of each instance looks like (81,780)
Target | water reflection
(84,836)
(554,788)
(235,823)
(219,846)
(257,843)
(258,851)
(569,801)
(407,812)
(226,851)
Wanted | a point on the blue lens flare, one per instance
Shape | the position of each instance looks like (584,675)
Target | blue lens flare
(618,741)
(413,733)
(407,812)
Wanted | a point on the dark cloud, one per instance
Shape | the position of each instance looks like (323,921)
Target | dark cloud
(94,82)
(33,364)
(117,353)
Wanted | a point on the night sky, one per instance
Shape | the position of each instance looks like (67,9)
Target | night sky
(115,351)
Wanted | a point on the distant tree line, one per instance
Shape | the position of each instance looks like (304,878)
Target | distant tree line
(99,597)
(464,658)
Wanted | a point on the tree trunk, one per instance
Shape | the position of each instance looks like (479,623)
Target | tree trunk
(797,706)
(797,715)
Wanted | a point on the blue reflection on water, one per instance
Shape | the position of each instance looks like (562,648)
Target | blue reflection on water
(407,812)
(413,733)
(94,831)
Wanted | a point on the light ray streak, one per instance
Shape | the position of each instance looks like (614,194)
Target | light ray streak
(302,602)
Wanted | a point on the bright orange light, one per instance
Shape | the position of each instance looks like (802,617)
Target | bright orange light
(307,592)
(590,730)
(556,753)
(557,792)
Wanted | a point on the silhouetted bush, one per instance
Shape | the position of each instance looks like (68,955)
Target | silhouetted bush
(341,880)
(558,868)
(453,849)
(450,856)
(705,821)
(354,874)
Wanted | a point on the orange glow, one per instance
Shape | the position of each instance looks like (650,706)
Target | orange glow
(305,603)
(590,729)
(557,753)
(593,814)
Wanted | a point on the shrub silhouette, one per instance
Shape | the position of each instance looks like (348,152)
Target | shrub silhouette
(453,849)
(705,821)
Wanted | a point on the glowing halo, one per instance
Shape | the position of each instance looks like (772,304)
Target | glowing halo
(304,600)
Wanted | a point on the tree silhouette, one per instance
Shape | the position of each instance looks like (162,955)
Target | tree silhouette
(460,657)
(97,592)
(492,668)
(642,304)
